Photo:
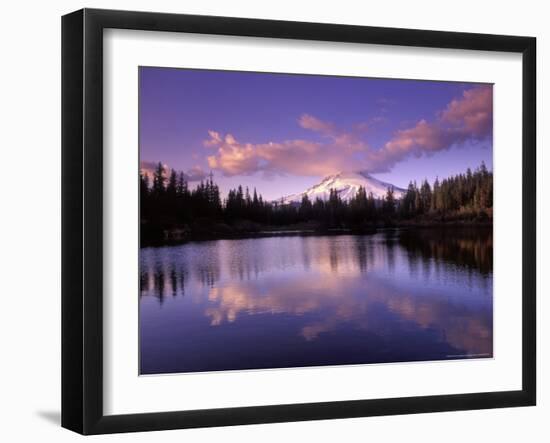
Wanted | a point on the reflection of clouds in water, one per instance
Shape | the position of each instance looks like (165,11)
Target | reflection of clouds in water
(462,327)
(379,283)
(290,297)
(353,312)
(338,302)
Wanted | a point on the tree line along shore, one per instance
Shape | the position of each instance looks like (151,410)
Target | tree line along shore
(171,210)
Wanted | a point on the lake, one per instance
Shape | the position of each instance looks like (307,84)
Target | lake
(293,301)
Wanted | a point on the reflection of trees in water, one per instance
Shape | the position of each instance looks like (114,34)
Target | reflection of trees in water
(160,281)
(389,247)
(163,281)
(337,255)
(246,261)
(143,282)
(177,281)
(361,252)
(470,248)
(334,253)
(165,272)
(306,253)
(208,275)
(242,268)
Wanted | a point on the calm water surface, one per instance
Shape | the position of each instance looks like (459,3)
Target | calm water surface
(275,302)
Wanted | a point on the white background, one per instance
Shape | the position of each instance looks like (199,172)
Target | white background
(30,229)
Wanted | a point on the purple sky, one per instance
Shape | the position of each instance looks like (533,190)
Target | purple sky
(282,133)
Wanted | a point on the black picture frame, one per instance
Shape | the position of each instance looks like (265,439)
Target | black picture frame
(82,218)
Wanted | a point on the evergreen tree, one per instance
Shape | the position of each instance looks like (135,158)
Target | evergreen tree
(158,180)
(408,205)
(181,187)
(306,208)
(389,202)
(143,185)
(425,196)
(171,189)
(371,206)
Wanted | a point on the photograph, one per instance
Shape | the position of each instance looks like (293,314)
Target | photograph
(295,220)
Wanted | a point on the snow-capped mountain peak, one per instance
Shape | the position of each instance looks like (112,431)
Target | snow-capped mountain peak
(346,184)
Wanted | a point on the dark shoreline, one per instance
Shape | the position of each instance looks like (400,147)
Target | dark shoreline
(186,237)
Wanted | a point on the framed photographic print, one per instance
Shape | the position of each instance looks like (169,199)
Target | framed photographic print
(269,221)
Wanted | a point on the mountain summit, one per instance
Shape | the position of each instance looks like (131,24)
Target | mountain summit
(346,184)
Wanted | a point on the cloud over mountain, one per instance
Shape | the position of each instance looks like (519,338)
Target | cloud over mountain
(298,156)
(468,118)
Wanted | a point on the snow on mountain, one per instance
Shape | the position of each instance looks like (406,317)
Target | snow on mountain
(346,184)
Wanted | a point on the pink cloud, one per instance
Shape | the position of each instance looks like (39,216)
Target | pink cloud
(307,121)
(468,118)
(215,138)
(300,157)
(473,113)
